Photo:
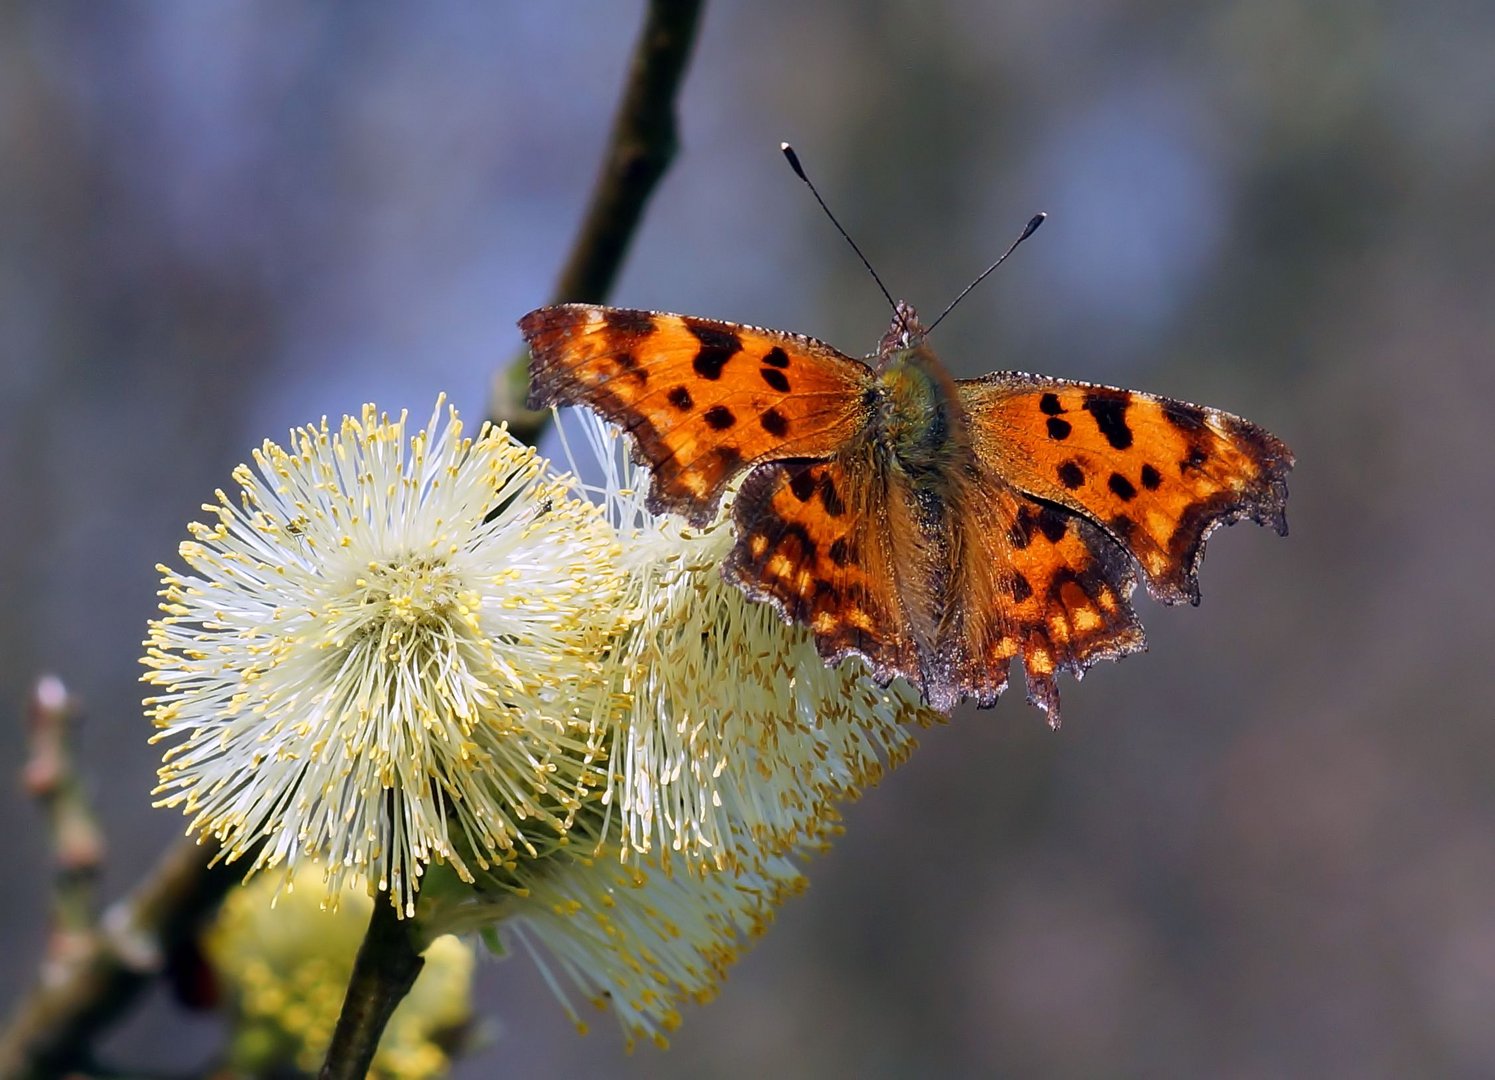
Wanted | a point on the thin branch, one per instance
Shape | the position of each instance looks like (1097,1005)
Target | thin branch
(644,141)
(94,968)
(52,1031)
(383,973)
(640,149)
(77,843)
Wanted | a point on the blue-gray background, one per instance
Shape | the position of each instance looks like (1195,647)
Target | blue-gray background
(1267,847)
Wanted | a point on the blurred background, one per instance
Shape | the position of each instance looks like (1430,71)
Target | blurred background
(1265,848)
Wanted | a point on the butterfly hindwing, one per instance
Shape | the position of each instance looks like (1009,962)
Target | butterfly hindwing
(704,400)
(1068,592)
(809,540)
(1156,475)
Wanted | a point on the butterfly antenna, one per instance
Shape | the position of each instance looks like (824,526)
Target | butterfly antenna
(1032,228)
(799,171)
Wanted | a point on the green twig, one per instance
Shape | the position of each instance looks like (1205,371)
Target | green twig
(383,973)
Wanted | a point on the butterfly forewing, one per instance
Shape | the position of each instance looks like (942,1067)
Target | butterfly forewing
(1157,475)
(703,399)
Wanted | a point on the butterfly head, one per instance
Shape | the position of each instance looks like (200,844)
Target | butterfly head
(906,332)
(917,413)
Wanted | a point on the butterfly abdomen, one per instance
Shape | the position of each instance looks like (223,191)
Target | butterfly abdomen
(923,437)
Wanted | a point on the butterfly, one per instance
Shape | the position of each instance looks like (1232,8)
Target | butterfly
(937,528)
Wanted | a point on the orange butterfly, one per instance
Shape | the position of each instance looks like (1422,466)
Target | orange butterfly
(935,527)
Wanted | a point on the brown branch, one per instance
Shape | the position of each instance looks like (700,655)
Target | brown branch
(77,843)
(52,1031)
(94,969)
(640,149)
(643,143)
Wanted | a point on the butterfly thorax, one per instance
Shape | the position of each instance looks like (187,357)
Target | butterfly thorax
(920,416)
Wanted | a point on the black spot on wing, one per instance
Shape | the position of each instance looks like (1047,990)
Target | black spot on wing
(1188,418)
(1063,576)
(1109,409)
(1151,478)
(680,398)
(794,530)
(775,378)
(1121,487)
(719,418)
(1021,533)
(623,321)
(1049,404)
(775,423)
(776,357)
(1021,590)
(630,368)
(1053,524)
(717,347)
(802,484)
(1071,475)
(830,498)
(1059,429)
